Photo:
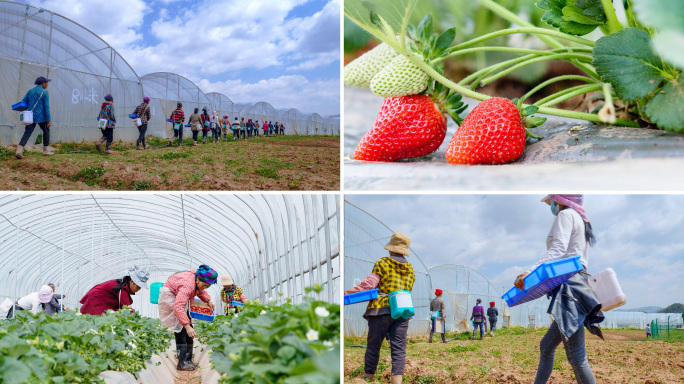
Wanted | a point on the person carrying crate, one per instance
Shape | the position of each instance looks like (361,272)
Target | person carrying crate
(573,304)
(390,274)
(174,298)
(231,293)
(437,306)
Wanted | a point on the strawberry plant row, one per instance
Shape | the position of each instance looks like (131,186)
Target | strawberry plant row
(73,348)
(269,343)
(634,70)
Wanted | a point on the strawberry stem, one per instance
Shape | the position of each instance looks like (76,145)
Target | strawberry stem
(554,80)
(568,94)
(559,56)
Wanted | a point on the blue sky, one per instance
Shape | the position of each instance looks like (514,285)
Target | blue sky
(285,52)
(639,236)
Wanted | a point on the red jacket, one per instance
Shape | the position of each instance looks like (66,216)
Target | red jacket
(102,297)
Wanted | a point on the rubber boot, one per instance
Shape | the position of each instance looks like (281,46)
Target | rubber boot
(47,151)
(430,340)
(145,146)
(139,147)
(204,141)
(182,350)
(171,143)
(98,145)
(397,379)
(188,358)
(108,151)
(20,152)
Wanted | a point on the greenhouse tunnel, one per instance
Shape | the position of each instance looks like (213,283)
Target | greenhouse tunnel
(84,68)
(270,244)
(165,90)
(365,237)
(223,105)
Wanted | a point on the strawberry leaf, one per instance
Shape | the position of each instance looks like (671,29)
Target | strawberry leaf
(667,107)
(589,12)
(625,59)
(444,41)
(555,18)
(425,28)
(533,122)
(668,17)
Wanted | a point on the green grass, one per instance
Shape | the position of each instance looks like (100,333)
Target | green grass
(270,173)
(174,155)
(425,380)
(141,185)
(462,348)
(90,175)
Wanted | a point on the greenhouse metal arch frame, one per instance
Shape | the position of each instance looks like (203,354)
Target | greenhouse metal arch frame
(269,244)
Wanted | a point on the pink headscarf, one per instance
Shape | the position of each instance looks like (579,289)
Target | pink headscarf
(572,201)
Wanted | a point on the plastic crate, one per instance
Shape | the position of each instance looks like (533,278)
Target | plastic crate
(359,297)
(169,120)
(201,316)
(187,125)
(133,116)
(238,304)
(20,106)
(543,280)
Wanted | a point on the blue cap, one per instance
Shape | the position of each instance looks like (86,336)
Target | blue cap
(41,80)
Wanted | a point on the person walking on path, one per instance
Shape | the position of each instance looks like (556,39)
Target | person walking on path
(143,112)
(236,129)
(243,125)
(38,100)
(177,119)
(195,122)
(54,306)
(215,127)
(206,123)
(229,293)
(478,318)
(256,128)
(390,273)
(114,294)
(265,128)
(648,330)
(250,128)
(437,306)
(282,129)
(573,304)
(225,125)
(174,302)
(107,113)
(492,316)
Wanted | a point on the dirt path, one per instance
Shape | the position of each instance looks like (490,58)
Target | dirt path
(277,163)
(625,357)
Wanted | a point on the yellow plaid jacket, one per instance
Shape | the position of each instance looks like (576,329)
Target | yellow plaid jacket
(229,297)
(394,276)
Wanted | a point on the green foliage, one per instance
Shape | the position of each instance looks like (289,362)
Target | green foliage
(39,139)
(141,185)
(68,347)
(4,152)
(174,155)
(90,175)
(625,59)
(426,380)
(267,172)
(268,343)
(462,348)
(667,16)
(571,21)
(667,107)
(673,308)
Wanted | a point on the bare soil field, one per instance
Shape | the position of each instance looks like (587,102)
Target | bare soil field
(274,163)
(626,356)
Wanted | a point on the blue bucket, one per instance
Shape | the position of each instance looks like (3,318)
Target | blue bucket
(401,304)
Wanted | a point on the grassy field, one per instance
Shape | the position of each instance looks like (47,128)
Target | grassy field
(626,356)
(274,163)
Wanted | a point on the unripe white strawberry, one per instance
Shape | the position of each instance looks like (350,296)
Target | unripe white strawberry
(360,71)
(400,78)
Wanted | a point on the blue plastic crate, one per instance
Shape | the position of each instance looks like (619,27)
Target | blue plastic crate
(543,280)
(359,297)
(20,106)
(187,125)
(201,316)
(133,116)
(169,120)
(237,304)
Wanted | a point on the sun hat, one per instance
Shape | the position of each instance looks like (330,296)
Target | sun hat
(571,201)
(399,243)
(438,292)
(227,280)
(206,274)
(45,294)
(139,276)
(40,80)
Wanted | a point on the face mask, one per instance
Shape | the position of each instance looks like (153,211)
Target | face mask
(554,208)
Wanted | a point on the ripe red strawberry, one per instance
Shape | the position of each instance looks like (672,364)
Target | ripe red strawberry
(407,126)
(493,133)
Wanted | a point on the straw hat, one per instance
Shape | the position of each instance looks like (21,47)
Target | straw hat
(227,280)
(399,243)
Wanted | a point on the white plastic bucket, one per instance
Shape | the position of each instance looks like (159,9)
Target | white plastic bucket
(607,289)
(138,122)
(26,117)
(102,123)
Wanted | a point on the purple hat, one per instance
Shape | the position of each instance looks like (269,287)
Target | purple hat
(41,80)
(146,99)
(207,274)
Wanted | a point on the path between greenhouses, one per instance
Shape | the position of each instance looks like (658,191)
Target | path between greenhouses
(574,155)
(161,369)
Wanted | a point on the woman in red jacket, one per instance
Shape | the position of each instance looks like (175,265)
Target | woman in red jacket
(114,294)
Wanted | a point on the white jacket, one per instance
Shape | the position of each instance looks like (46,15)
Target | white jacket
(31,303)
(565,239)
